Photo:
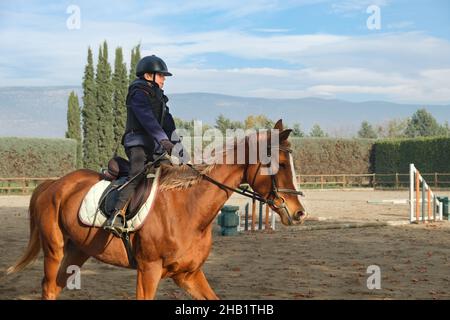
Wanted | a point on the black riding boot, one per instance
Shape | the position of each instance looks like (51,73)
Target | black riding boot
(115,223)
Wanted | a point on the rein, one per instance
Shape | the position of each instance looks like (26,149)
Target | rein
(243,191)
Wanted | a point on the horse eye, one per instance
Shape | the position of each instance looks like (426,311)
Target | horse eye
(282,165)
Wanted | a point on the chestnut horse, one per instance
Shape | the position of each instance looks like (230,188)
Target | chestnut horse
(176,238)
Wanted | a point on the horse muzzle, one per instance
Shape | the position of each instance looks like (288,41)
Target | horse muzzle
(299,217)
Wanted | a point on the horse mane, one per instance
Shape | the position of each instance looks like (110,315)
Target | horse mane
(182,177)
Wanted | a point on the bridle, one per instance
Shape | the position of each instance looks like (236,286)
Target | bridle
(275,190)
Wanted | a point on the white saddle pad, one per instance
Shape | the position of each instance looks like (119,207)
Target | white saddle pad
(91,216)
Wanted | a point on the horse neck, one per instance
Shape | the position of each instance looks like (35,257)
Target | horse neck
(210,197)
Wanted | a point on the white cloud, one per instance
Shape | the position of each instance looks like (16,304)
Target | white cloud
(238,44)
(428,87)
(405,52)
(402,66)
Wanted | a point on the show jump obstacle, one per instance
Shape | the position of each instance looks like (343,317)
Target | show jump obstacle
(424,205)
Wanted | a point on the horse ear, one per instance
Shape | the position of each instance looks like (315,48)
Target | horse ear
(279,125)
(285,134)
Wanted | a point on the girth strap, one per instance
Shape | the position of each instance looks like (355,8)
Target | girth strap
(127,243)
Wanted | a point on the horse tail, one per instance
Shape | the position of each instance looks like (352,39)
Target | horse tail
(34,243)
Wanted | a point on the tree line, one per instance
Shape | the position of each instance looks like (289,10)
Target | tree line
(99,125)
(223,123)
(420,124)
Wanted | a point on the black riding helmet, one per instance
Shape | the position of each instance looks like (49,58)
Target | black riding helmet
(151,64)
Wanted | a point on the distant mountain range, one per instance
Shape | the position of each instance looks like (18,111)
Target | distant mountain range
(41,111)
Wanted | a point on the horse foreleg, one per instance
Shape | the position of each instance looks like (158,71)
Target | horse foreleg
(148,277)
(196,285)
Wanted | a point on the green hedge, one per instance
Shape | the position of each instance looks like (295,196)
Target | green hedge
(37,157)
(332,155)
(428,154)
(329,155)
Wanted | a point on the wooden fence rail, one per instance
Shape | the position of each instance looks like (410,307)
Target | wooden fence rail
(25,185)
(373,180)
(21,185)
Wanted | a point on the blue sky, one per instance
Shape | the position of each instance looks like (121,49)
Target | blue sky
(263,48)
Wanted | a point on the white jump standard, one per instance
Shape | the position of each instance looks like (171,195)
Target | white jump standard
(423,203)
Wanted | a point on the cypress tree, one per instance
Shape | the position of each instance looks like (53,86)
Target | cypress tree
(120,84)
(104,107)
(90,121)
(74,124)
(135,57)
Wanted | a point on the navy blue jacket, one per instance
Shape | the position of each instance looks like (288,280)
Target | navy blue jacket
(145,106)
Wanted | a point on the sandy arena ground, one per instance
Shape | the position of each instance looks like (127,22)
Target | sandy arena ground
(285,264)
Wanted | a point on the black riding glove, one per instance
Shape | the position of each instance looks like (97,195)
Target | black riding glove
(167,145)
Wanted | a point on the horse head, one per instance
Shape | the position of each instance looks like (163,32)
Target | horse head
(276,182)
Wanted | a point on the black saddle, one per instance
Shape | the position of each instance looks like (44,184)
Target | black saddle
(117,173)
